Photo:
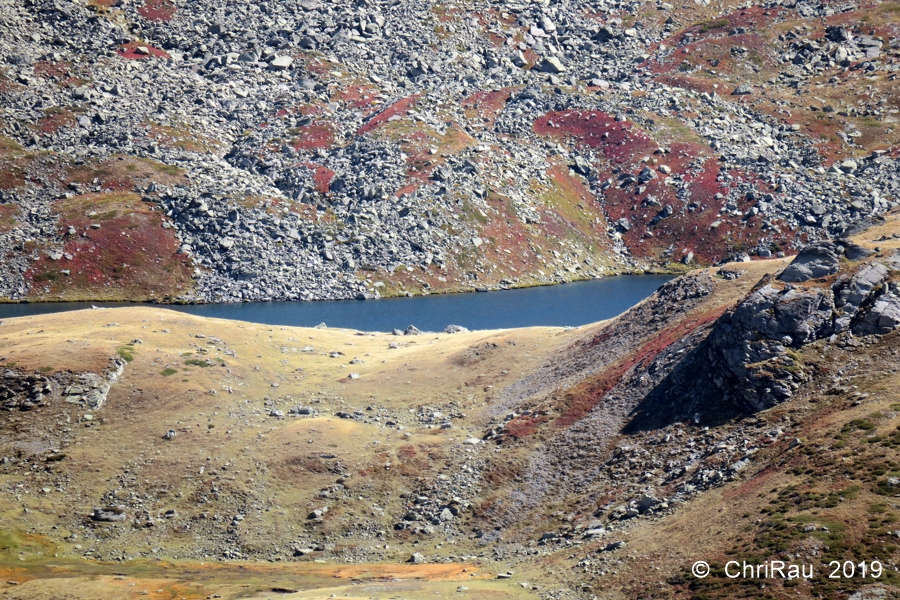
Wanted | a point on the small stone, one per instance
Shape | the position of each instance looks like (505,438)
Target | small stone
(111,514)
(551,64)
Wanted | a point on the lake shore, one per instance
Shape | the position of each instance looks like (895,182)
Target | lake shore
(576,303)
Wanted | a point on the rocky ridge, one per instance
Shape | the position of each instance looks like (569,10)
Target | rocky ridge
(668,423)
(314,150)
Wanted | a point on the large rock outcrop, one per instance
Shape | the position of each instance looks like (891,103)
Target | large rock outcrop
(749,350)
(749,360)
(27,391)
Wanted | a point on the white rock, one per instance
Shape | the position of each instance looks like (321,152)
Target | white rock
(281,63)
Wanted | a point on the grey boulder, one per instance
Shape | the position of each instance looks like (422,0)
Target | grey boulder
(816,260)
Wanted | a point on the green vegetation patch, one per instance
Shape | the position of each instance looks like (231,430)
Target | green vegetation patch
(710,25)
(861,424)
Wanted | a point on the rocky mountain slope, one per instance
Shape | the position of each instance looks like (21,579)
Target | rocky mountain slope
(747,412)
(152,149)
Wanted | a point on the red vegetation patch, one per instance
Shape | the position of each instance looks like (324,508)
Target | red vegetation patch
(157,10)
(398,108)
(619,141)
(418,144)
(55,119)
(489,104)
(6,85)
(524,425)
(129,257)
(498,15)
(425,149)
(510,251)
(322,177)
(306,211)
(890,31)
(51,70)
(696,222)
(496,41)
(312,136)
(417,147)
(753,485)
(357,96)
(445,13)
(583,398)
(407,189)
(489,100)
(713,39)
(691,224)
(11,175)
(755,18)
(307,110)
(130,52)
(406,452)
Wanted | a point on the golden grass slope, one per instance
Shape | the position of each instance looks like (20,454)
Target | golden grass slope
(217,383)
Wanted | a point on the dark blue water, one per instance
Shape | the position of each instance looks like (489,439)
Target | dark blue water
(571,304)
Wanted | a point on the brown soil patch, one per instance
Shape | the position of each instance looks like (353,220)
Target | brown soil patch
(475,354)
